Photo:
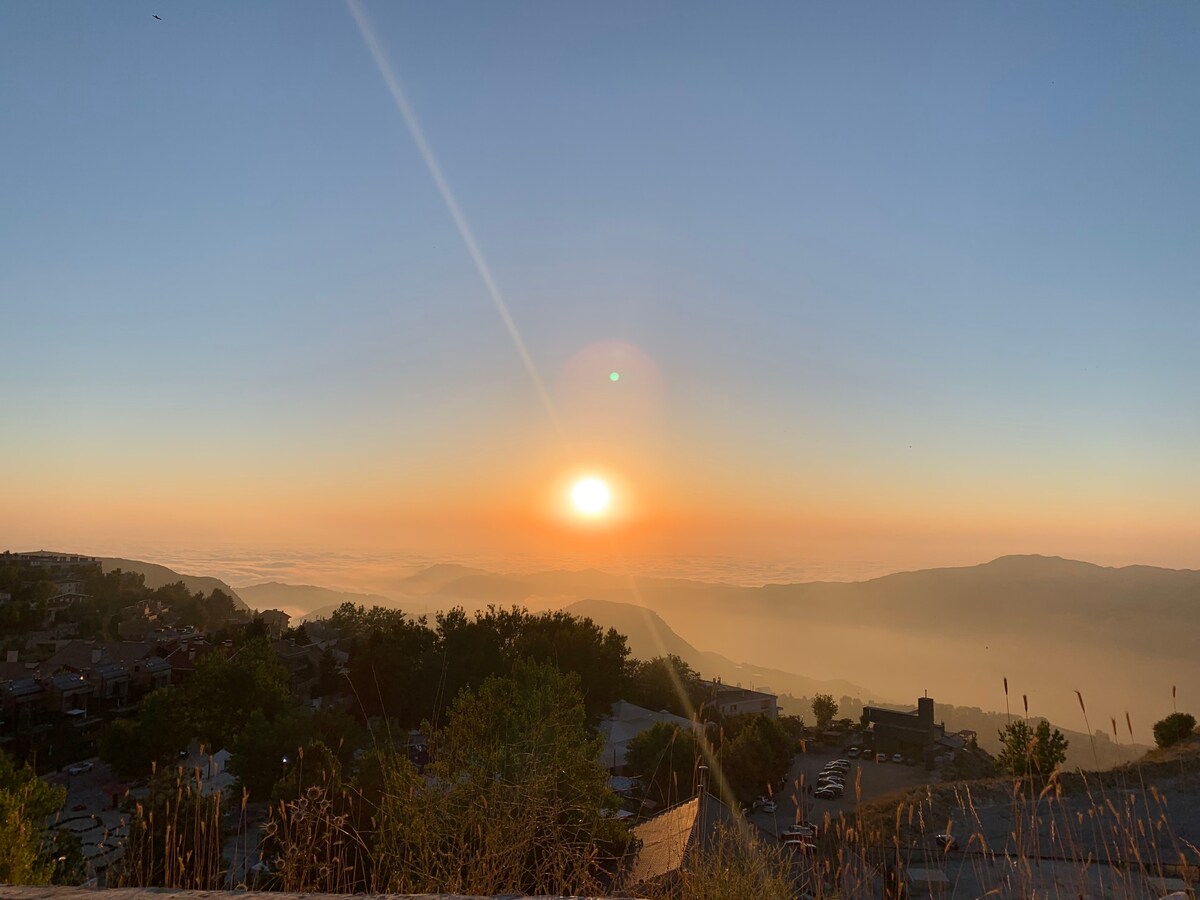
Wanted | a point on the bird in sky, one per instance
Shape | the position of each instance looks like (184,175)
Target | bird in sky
(158,17)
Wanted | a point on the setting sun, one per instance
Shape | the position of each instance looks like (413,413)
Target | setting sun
(590,496)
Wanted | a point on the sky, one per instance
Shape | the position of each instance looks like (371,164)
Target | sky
(913,284)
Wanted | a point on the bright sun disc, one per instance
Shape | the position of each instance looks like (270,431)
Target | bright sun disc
(590,496)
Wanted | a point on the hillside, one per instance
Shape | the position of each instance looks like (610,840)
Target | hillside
(156,576)
(1121,636)
(650,636)
(300,600)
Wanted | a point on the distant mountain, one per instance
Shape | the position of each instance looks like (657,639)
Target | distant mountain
(1120,636)
(157,576)
(299,600)
(649,636)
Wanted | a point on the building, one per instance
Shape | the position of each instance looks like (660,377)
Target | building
(56,563)
(739,701)
(625,722)
(912,733)
(275,620)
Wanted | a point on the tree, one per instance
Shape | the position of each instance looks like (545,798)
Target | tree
(1049,748)
(755,754)
(1174,728)
(517,802)
(824,708)
(666,759)
(225,691)
(261,752)
(26,802)
(1031,751)
(666,682)
(163,728)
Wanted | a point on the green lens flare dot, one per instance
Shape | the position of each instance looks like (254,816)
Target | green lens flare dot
(614,376)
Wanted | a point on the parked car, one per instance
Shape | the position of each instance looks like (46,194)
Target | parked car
(897,757)
(800,846)
(80,768)
(853,752)
(880,757)
(826,793)
(807,832)
(768,807)
(947,842)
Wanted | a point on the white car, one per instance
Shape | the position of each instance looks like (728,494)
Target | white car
(799,846)
(807,832)
(897,757)
(81,768)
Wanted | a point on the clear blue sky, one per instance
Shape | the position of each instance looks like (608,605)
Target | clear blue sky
(891,262)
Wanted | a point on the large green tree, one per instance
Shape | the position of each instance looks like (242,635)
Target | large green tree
(225,691)
(666,682)
(755,754)
(517,802)
(264,748)
(1036,750)
(162,728)
(666,758)
(824,708)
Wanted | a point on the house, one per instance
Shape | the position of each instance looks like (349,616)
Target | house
(625,722)
(209,770)
(910,733)
(123,671)
(303,663)
(23,702)
(275,620)
(739,701)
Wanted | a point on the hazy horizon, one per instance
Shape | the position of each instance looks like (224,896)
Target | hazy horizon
(905,285)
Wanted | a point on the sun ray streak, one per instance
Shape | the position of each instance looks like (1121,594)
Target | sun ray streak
(460,221)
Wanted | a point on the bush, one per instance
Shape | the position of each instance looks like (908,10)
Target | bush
(1174,728)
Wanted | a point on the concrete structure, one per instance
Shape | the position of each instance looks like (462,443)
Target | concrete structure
(911,733)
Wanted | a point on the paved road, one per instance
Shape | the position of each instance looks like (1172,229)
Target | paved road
(87,812)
